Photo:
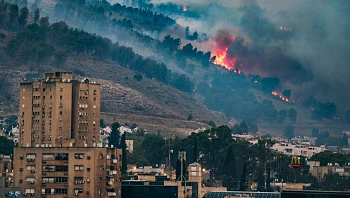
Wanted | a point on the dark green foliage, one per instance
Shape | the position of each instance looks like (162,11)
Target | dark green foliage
(212,124)
(320,110)
(23,17)
(123,146)
(288,132)
(6,146)
(195,151)
(36,15)
(331,157)
(44,21)
(138,77)
(243,184)
(60,57)
(14,13)
(189,117)
(151,146)
(114,137)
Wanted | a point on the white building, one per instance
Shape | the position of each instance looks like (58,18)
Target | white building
(297,149)
(133,170)
(304,140)
(130,145)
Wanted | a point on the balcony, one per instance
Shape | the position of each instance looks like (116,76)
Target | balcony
(111,194)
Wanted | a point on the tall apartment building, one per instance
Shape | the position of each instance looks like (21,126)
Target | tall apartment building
(59,153)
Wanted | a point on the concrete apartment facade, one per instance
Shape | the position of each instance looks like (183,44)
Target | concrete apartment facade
(59,152)
(288,148)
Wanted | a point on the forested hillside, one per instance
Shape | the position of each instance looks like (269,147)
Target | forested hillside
(30,47)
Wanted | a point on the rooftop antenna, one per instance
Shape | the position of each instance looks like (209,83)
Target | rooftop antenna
(182,177)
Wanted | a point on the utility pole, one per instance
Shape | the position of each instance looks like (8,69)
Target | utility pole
(182,177)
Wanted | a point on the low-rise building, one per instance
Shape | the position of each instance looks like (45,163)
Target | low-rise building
(129,145)
(319,171)
(288,148)
(133,170)
(304,140)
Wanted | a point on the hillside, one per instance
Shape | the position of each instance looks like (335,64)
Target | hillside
(237,96)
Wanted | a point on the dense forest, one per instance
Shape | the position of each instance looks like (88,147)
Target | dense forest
(38,41)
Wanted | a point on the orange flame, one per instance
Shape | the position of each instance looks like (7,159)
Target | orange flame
(184,9)
(224,61)
(282,97)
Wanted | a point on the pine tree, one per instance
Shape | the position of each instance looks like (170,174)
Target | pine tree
(243,178)
(195,150)
(36,15)
(114,137)
(13,14)
(23,17)
(230,166)
(123,146)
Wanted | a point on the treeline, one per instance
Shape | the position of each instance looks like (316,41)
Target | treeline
(39,41)
(233,162)
(319,109)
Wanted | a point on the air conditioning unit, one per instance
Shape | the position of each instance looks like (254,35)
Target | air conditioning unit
(88,180)
(76,194)
(25,194)
(82,181)
(32,182)
(75,182)
(32,171)
(32,194)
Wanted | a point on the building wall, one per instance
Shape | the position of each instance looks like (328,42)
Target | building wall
(59,146)
(59,111)
(99,169)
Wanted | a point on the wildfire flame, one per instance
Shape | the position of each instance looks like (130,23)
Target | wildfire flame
(282,97)
(184,8)
(284,28)
(224,61)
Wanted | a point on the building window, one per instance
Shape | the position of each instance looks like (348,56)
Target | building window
(44,89)
(61,179)
(94,106)
(24,90)
(50,96)
(60,120)
(49,156)
(61,89)
(61,191)
(88,169)
(44,97)
(30,191)
(30,179)
(79,156)
(23,105)
(30,167)
(31,156)
(61,168)
(94,98)
(60,112)
(24,97)
(78,167)
(78,190)
(48,179)
(49,168)
(59,128)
